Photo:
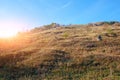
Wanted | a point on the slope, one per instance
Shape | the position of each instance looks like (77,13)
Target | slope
(64,53)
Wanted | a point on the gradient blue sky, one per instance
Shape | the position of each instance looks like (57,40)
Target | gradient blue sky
(33,13)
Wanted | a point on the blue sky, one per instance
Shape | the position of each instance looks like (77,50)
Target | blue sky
(32,13)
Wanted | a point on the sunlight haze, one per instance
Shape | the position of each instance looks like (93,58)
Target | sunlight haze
(10,28)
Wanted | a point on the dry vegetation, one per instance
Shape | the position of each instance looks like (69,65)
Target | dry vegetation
(62,53)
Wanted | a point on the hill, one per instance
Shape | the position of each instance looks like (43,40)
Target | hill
(57,52)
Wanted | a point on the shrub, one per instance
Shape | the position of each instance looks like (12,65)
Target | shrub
(110,33)
(65,35)
(110,22)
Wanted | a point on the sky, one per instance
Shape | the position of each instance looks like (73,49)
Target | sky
(26,14)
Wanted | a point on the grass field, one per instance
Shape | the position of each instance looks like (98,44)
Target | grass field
(62,53)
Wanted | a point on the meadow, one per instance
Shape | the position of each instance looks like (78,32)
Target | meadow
(71,52)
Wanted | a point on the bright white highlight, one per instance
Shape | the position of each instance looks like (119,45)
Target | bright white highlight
(10,28)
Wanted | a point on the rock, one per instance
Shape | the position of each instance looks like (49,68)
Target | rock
(90,45)
(99,38)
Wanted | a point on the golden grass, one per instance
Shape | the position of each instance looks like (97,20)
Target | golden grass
(65,53)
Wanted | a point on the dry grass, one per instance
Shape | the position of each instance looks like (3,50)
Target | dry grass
(64,53)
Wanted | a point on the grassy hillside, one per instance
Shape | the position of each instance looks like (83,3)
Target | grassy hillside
(62,53)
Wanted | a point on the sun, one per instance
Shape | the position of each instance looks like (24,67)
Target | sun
(10,28)
(8,32)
